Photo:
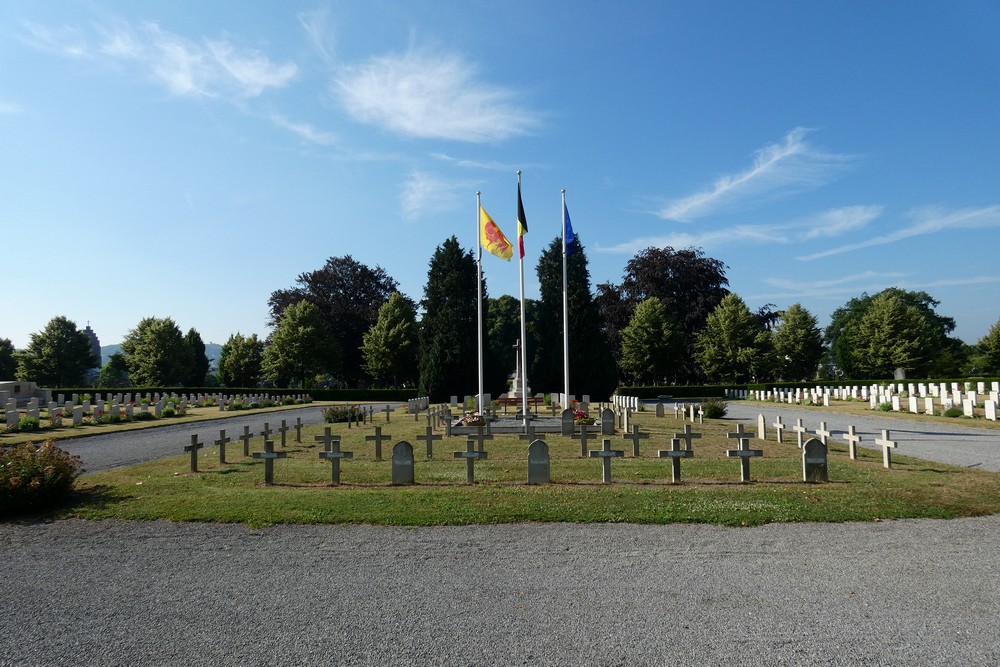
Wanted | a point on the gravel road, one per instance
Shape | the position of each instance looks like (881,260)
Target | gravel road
(916,592)
(958,444)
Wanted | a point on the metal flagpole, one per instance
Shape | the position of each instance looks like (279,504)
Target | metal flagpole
(565,311)
(524,339)
(479,301)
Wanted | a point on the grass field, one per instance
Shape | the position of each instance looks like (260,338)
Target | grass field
(710,490)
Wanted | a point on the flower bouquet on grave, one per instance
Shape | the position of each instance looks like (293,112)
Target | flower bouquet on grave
(472,419)
(582,418)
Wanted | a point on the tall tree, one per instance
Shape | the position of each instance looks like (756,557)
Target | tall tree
(8,362)
(240,360)
(592,367)
(389,348)
(651,344)
(734,346)
(841,334)
(989,348)
(301,348)
(798,344)
(448,349)
(503,326)
(156,353)
(892,334)
(114,374)
(197,362)
(687,283)
(58,356)
(348,295)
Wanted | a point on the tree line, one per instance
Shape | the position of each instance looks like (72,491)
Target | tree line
(671,320)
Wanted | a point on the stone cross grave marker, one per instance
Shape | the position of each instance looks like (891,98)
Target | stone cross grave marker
(568,423)
(606,454)
(221,442)
(607,421)
(298,429)
(675,454)
(823,433)
(481,437)
(853,440)
(635,436)
(529,433)
(266,433)
(761,428)
(779,428)
(245,437)
(327,439)
(402,463)
(471,455)
(331,452)
(283,429)
(800,430)
(687,436)
(539,464)
(378,439)
(814,461)
(887,446)
(193,448)
(269,455)
(743,452)
(429,438)
(582,437)
(387,410)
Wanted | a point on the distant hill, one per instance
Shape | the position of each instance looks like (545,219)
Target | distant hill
(212,350)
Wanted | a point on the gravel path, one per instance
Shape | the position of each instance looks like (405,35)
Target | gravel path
(958,444)
(919,592)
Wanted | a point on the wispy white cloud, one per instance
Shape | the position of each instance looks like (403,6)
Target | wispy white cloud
(211,68)
(442,97)
(854,284)
(778,170)
(476,164)
(425,193)
(316,25)
(304,131)
(826,224)
(9,108)
(925,221)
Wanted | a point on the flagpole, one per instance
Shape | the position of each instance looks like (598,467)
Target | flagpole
(479,303)
(524,338)
(565,311)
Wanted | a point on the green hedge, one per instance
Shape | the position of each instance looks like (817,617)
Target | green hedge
(684,391)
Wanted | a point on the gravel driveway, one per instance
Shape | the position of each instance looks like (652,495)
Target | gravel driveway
(916,592)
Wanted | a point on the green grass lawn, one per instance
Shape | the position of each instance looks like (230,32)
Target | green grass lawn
(710,490)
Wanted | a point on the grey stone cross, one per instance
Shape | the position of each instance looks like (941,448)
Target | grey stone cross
(635,436)
(743,452)
(266,432)
(481,437)
(800,431)
(675,454)
(387,410)
(245,437)
(333,454)
(823,433)
(887,446)
(779,428)
(687,436)
(853,440)
(606,454)
(582,437)
(429,438)
(470,455)
(221,442)
(298,429)
(283,429)
(378,439)
(269,455)
(327,439)
(193,448)
(529,433)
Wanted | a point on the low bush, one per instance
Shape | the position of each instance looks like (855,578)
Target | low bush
(143,416)
(28,424)
(953,412)
(885,407)
(341,413)
(715,408)
(34,476)
(168,412)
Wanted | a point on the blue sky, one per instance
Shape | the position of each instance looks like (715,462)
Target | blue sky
(186,159)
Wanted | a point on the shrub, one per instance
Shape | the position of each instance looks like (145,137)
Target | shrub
(28,424)
(168,411)
(715,408)
(953,412)
(32,476)
(340,413)
(288,400)
(885,407)
(143,416)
